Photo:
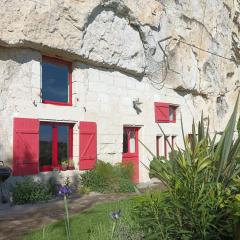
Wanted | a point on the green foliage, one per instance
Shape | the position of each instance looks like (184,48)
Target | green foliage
(52,186)
(201,197)
(29,191)
(94,223)
(109,178)
(152,212)
(238,126)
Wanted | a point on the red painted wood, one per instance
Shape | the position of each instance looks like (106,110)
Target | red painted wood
(61,62)
(54,146)
(56,103)
(88,145)
(71,146)
(25,146)
(132,157)
(161,112)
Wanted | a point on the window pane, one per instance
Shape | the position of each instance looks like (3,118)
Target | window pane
(125,141)
(63,148)
(171,113)
(54,82)
(132,143)
(45,156)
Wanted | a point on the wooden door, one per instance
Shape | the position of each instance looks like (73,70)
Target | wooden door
(130,150)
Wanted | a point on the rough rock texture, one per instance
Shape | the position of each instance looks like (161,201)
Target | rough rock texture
(200,61)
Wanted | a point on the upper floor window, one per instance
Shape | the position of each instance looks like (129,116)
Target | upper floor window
(165,112)
(56,81)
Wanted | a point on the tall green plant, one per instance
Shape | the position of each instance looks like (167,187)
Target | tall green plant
(197,179)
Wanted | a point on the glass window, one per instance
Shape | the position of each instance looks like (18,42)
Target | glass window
(125,141)
(132,143)
(54,145)
(55,82)
(45,155)
(63,143)
(172,113)
(158,145)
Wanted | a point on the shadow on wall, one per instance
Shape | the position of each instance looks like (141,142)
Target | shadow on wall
(83,66)
(24,56)
(6,158)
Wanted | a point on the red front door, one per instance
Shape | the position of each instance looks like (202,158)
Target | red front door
(130,150)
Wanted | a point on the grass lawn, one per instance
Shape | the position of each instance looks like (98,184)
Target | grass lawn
(96,219)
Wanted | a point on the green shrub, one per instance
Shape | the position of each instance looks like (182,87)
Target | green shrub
(153,213)
(52,186)
(29,191)
(201,197)
(109,178)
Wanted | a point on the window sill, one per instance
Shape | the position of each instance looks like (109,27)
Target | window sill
(51,168)
(173,121)
(56,103)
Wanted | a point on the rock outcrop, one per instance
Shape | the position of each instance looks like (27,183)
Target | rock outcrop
(191,47)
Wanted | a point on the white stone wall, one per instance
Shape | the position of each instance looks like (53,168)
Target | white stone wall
(99,95)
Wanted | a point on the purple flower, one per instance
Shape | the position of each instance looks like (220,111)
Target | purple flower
(64,191)
(116,215)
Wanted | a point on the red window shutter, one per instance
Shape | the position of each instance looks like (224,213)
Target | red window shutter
(25,146)
(88,145)
(161,112)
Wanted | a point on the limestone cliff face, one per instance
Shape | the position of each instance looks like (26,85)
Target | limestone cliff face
(198,55)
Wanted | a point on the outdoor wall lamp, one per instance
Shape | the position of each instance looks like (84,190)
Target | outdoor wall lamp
(136,105)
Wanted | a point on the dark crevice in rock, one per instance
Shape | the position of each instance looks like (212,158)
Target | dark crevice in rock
(236,48)
(230,74)
(228,9)
(221,106)
(183,91)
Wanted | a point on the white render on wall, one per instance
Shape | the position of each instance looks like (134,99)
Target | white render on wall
(99,95)
(114,47)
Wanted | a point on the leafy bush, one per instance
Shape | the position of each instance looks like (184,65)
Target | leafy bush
(52,186)
(29,191)
(201,197)
(109,178)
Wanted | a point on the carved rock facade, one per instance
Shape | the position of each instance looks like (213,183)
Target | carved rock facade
(183,52)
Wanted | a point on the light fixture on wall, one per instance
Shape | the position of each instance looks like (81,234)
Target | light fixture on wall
(136,105)
(34,103)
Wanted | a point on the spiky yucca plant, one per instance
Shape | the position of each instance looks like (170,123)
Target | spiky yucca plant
(199,180)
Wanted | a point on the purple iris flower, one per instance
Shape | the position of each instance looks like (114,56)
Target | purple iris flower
(116,215)
(64,191)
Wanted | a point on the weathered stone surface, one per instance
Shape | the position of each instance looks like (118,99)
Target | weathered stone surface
(81,29)
(123,34)
(185,52)
(110,40)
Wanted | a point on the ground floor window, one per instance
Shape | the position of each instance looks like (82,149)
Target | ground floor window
(163,149)
(55,147)
(158,146)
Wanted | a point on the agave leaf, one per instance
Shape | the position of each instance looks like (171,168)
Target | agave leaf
(165,136)
(184,140)
(224,146)
(207,132)
(206,162)
(153,155)
(194,138)
(201,129)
